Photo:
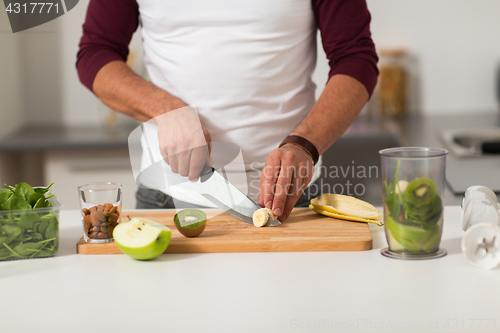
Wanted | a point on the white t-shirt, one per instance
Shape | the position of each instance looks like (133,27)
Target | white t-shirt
(245,65)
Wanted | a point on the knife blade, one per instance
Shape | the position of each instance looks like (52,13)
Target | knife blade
(218,190)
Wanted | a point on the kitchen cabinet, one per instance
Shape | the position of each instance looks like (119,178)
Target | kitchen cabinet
(69,169)
(69,157)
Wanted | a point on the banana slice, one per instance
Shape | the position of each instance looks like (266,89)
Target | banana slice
(401,187)
(346,205)
(261,216)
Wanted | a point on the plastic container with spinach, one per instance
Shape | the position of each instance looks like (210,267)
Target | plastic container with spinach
(29,222)
(415,211)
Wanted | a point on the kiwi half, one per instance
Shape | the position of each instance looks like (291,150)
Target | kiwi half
(190,222)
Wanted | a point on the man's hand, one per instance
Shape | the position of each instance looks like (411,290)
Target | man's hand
(184,142)
(289,169)
(286,174)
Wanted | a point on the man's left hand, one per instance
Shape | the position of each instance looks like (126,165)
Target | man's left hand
(286,174)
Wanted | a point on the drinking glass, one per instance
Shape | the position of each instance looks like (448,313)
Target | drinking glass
(101,205)
(413,198)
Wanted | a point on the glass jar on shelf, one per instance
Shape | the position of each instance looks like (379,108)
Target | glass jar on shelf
(393,83)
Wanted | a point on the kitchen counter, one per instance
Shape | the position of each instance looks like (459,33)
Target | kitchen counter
(61,137)
(249,292)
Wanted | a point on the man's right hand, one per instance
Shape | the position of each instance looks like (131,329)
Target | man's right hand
(184,142)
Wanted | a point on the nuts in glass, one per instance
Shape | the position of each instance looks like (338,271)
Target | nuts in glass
(101,220)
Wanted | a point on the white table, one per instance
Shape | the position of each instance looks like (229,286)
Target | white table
(249,292)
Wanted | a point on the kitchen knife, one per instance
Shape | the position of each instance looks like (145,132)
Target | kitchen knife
(218,190)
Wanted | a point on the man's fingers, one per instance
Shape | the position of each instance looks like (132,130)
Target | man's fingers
(282,187)
(293,196)
(183,161)
(268,179)
(198,158)
(188,163)
(172,161)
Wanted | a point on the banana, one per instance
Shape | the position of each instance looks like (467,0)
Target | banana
(261,216)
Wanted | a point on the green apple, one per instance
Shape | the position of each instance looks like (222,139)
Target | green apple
(141,238)
(190,222)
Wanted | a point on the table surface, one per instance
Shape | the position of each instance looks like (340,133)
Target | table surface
(249,292)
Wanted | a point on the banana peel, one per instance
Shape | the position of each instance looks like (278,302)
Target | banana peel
(346,205)
(346,208)
(344,217)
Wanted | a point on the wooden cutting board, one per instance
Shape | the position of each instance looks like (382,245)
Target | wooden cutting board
(304,230)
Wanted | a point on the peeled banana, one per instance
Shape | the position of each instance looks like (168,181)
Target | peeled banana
(261,216)
(346,208)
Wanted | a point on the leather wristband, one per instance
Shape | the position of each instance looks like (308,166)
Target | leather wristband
(304,144)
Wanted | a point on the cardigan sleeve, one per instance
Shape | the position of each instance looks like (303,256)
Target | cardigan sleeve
(345,32)
(107,31)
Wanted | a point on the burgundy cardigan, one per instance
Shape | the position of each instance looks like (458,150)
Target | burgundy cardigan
(344,27)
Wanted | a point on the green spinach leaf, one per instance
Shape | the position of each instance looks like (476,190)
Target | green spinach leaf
(4,197)
(43,226)
(41,203)
(24,190)
(5,253)
(28,219)
(12,231)
(16,203)
(33,198)
(51,231)
(43,189)
(27,249)
(37,237)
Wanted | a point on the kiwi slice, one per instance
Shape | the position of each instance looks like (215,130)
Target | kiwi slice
(190,222)
(420,192)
